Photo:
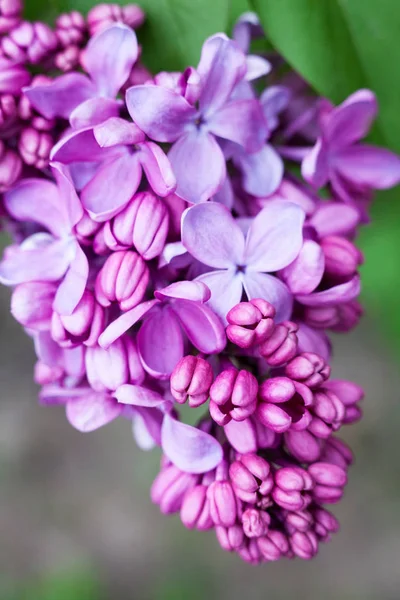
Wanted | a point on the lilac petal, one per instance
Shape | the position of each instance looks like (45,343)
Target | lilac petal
(304,274)
(272,289)
(80,146)
(54,394)
(351,121)
(226,290)
(115,131)
(189,448)
(257,67)
(109,58)
(338,294)
(137,395)
(92,411)
(45,263)
(242,436)
(112,187)
(225,194)
(71,289)
(146,427)
(211,234)
(124,322)
(59,98)
(273,101)
(262,171)
(157,168)
(47,350)
(222,65)
(71,203)
(93,111)
(275,237)
(334,218)
(241,122)
(313,340)
(38,201)
(199,166)
(369,166)
(315,165)
(161,113)
(202,326)
(160,343)
(186,290)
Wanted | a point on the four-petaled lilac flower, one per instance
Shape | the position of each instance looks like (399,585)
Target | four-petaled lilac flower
(165,116)
(108,59)
(338,157)
(274,239)
(51,256)
(177,310)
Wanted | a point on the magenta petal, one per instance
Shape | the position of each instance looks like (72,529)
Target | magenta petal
(112,187)
(199,166)
(160,343)
(115,131)
(369,166)
(80,146)
(161,113)
(211,234)
(241,121)
(304,274)
(242,436)
(344,292)
(351,121)
(92,411)
(186,290)
(38,201)
(272,289)
(93,111)
(137,395)
(71,289)
(59,98)
(315,165)
(275,237)
(189,448)
(262,171)
(109,58)
(202,326)
(157,168)
(124,322)
(226,290)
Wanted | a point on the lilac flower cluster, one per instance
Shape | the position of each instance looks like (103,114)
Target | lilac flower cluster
(173,253)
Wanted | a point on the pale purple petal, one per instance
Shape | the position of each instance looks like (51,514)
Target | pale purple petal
(92,411)
(160,343)
(187,290)
(334,218)
(199,166)
(138,395)
(242,436)
(242,122)
(351,121)
(112,187)
(146,427)
(304,274)
(161,113)
(275,237)
(71,204)
(226,290)
(202,326)
(313,340)
(109,58)
(124,322)
(71,289)
(81,146)
(225,194)
(93,111)
(221,67)
(274,100)
(262,171)
(115,131)
(315,165)
(189,448)
(157,168)
(369,166)
(211,234)
(53,393)
(272,289)
(59,98)
(344,292)
(257,67)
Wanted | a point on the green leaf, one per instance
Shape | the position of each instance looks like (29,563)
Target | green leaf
(340,46)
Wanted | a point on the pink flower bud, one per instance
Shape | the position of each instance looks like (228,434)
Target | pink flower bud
(32,304)
(284,404)
(304,544)
(119,364)
(191,379)
(336,452)
(45,374)
(291,485)
(223,503)
(300,520)
(13,76)
(70,29)
(123,279)
(34,147)
(10,167)
(143,224)
(342,258)
(250,323)
(233,395)
(250,552)
(255,522)
(10,14)
(67,59)
(195,511)
(325,523)
(230,538)
(281,346)
(329,482)
(251,478)
(328,413)
(308,368)
(29,41)
(169,488)
(274,545)
(104,15)
(303,446)
(83,326)
(8,110)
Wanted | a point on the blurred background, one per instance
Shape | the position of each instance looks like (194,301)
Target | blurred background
(76,522)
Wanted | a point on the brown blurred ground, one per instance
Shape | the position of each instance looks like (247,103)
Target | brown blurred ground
(68,499)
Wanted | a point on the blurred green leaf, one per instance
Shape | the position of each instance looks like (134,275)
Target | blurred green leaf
(70,585)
